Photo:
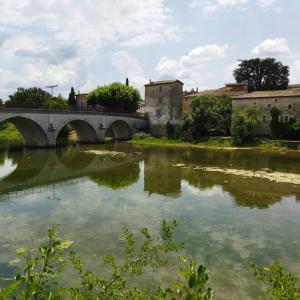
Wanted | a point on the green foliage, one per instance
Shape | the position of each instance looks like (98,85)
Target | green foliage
(116,97)
(287,130)
(141,136)
(43,268)
(56,103)
(211,115)
(72,98)
(262,74)
(244,124)
(281,285)
(28,98)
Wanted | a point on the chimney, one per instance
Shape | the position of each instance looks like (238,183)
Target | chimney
(150,80)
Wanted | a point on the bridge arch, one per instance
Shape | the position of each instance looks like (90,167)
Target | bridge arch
(120,129)
(33,134)
(86,133)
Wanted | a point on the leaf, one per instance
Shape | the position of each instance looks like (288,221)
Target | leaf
(192,281)
(66,244)
(21,251)
(14,261)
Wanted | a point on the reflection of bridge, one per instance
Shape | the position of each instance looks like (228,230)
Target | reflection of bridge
(47,167)
(40,128)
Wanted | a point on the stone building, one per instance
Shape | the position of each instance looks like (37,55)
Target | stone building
(163,105)
(287,101)
(81,101)
(230,89)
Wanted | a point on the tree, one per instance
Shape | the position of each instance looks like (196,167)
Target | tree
(72,99)
(210,115)
(1,102)
(116,97)
(262,74)
(28,98)
(58,103)
(244,125)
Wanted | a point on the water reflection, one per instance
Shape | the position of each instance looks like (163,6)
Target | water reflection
(164,171)
(94,196)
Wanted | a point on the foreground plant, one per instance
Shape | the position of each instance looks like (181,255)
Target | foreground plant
(43,268)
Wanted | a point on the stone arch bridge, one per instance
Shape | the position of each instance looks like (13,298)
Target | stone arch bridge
(40,128)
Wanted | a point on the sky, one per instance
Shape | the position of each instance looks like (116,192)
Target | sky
(89,43)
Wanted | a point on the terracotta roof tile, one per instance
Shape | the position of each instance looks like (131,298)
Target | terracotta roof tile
(163,82)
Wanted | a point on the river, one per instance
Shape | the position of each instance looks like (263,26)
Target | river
(226,221)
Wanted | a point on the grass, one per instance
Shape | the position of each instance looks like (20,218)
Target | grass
(10,136)
(212,143)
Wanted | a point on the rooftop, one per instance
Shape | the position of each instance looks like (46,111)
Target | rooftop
(159,82)
(290,92)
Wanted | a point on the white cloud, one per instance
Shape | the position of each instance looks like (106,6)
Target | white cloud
(211,6)
(266,3)
(295,72)
(129,67)
(70,34)
(197,68)
(275,46)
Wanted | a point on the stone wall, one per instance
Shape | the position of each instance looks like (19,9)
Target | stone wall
(163,105)
(289,107)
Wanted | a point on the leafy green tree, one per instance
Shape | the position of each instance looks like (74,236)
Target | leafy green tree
(210,115)
(116,97)
(28,98)
(262,74)
(58,103)
(244,125)
(72,98)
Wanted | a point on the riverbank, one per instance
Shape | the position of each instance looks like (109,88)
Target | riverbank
(10,136)
(212,143)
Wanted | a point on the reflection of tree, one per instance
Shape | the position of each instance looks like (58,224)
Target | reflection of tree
(159,175)
(29,164)
(72,158)
(249,192)
(118,178)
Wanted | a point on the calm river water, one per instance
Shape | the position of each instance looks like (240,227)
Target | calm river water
(225,221)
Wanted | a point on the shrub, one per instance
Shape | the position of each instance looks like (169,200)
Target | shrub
(58,103)
(141,136)
(244,125)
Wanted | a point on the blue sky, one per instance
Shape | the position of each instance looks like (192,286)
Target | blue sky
(89,43)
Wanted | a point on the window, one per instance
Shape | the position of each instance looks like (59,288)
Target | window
(286,119)
(158,113)
(254,103)
(269,105)
(275,100)
(160,100)
(281,119)
(265,119)
(290,106)
(160,89)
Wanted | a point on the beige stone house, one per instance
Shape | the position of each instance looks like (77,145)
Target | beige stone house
(287,101)
(163,105)
(230,89)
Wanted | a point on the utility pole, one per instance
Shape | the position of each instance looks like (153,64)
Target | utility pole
(52,88)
